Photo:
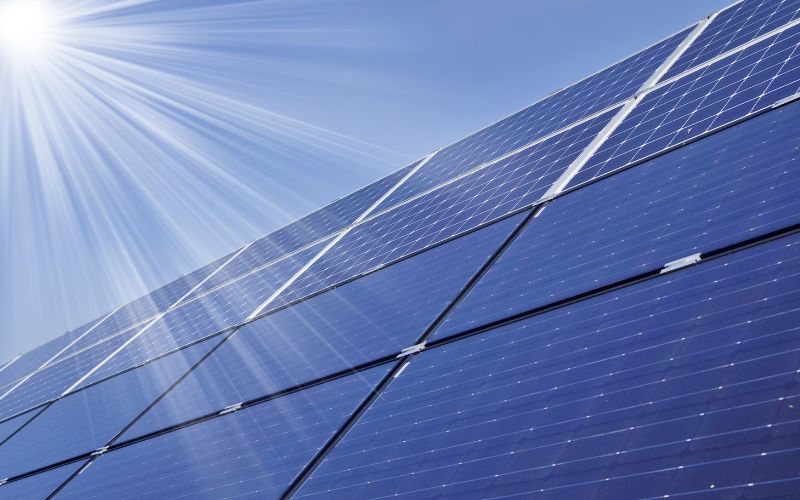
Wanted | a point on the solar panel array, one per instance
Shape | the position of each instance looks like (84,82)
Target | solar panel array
(596,297)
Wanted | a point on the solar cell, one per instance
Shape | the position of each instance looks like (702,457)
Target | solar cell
(667,386)
(710,194)
(591,95)
(87,420)
(255,452)
(39,486)
(481,197)
(364,320)
(50,382)
(206,315)
(309,229)
(746,82)
(736,26)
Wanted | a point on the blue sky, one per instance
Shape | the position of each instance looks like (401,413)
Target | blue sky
(165,134)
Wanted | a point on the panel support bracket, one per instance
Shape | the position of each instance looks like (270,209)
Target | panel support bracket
(681,263)
(232,408)
(99,451)
(411,350)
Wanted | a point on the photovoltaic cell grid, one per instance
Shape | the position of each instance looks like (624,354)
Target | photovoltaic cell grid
(684,383)
(680,384)
(362,321)
(255,452)
(736,26)
(591,95)
(305,231)
(703,197)
(734,87)
(29,362)
(83,421)
(480,197)
(205,316)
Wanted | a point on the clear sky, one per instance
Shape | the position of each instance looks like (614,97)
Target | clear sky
(146,138)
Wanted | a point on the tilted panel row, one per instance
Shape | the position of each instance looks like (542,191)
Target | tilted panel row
(713,193)
(478,198)
(682,384)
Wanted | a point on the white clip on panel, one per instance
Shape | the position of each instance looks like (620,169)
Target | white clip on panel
(680,263)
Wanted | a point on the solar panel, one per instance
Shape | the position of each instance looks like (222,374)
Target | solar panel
(465,328)
(664,387)
(40,485)
(253,452)
(735,26)
(458,207)
(751,80)
(206,315)
(357,323)
(48,383)
(591,95)
(84,421)
(700,198)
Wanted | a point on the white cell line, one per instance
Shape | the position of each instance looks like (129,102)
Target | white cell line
(46,364)
(10,362)
(338,238)
(626,109)
(151,323)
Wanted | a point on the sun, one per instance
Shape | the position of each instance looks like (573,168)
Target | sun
(27,29)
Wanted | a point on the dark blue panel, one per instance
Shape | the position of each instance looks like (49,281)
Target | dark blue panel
(87,420)
(741,84)
(39,486)
(50,382)
(145,308)
(713,193)
(460,206)
(206,315)
(310,228)
(374,316)
(593,94)
(254,453)
(11,425)
(736,26)
(691,370)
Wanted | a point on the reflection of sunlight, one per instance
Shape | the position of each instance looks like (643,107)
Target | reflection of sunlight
(27,28)
(127,135)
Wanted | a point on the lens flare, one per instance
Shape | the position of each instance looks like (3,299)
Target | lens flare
(27,29)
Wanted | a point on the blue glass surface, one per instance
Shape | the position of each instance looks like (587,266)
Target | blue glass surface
(734,87)
(50,382)
(87,420)
(310,228)
(369,318)
(478,198)
(670,385)
(206,315)
(40,486)
(145,308)
(253,453)
(735,26)
(593,94)
(713,193)
(10,426)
